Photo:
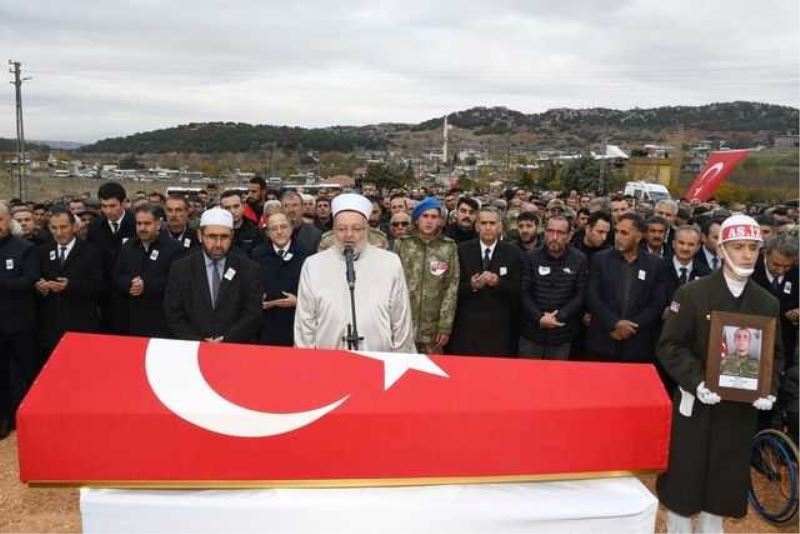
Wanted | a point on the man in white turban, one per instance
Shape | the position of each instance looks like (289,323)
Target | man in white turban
(381,296)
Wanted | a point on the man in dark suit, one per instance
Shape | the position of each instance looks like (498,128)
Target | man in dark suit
(489,292)
(682,266)
(214,293)
(71,283)
(19,270)
(626,297)
(280,261)
(776,270)
(306,236)
(108,233)
(655,238)
(707,255)
(140,275)
(176,208)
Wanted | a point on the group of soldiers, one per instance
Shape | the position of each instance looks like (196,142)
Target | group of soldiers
(553,275)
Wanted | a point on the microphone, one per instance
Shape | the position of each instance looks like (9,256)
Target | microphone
(348,260)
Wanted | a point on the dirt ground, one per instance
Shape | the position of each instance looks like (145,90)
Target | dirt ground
(24,509)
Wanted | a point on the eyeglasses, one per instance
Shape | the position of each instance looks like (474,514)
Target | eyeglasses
(400,223)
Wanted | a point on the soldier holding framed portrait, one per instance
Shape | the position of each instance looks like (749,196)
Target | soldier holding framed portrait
(712,428)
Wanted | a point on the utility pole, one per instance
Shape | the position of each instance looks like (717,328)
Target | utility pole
(15,67)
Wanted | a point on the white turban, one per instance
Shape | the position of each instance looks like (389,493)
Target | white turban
(351,202)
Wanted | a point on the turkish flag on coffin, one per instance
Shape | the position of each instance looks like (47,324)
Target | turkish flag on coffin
(128,410)
(717,168)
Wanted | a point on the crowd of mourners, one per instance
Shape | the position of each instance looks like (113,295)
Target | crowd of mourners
(515,273)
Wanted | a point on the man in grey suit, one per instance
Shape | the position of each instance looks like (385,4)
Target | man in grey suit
(214,292)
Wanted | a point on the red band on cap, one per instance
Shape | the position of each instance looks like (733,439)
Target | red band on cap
(741,231)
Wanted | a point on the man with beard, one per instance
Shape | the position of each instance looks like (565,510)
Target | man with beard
(553,284)
(256,196)
(176,209)
(214,292)
(594,237)
(430,263)
(464,227)
(381,295)
(245,233)
(625,297)
(711,438)
(141,273)
(527,232)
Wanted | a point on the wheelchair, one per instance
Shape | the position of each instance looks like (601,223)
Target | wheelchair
(773,467)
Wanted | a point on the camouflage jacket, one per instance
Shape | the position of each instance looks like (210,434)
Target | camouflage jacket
(431,269)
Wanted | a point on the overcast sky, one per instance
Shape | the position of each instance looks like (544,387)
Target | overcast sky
(107,68)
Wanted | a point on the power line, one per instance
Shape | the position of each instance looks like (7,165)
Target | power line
(15,67)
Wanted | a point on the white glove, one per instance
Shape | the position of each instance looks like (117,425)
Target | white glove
(705,395)
(764,403)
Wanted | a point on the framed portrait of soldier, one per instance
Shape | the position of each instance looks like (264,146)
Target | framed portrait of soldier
(739,357)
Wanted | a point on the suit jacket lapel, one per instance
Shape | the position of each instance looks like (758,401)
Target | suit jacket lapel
(230,263)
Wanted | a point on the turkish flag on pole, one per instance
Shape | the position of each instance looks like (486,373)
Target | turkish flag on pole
(719,166)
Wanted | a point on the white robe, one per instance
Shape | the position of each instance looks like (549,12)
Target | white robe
(383,308)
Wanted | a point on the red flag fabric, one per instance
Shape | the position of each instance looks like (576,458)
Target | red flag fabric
(151,412)
(717,168)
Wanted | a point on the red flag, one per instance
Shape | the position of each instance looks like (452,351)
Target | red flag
(718,167)
(155,412)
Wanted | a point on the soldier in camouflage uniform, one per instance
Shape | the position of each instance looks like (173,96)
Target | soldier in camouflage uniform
(430,263)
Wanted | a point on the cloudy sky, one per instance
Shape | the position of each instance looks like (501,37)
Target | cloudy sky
(109,68)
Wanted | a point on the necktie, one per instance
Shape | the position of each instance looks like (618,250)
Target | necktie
(62,255)
(714,263)
(115,227)
(486,260)
(684,277)
(776,284)
(215,282)
(281,252)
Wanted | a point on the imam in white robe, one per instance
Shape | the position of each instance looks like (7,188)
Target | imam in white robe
(381,295)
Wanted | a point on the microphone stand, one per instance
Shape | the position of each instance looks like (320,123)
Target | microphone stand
(352,338)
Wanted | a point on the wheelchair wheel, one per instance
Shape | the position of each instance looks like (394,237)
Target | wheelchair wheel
(773,477)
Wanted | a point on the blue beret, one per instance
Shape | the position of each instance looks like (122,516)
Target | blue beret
(430,203)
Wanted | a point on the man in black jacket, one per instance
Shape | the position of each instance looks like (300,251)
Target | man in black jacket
(71,282)
(625,297)
(19,270)
(776,271)
(108,233)
(141,273)
(682,266)
(214,293)
(176,208)
(463,229)
(280,262)
(553,286)
(245,234)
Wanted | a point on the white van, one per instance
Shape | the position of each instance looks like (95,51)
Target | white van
(647,191)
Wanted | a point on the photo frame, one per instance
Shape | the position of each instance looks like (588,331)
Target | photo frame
(739,356)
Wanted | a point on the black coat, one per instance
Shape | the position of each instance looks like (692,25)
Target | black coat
(647,301)
(187,240)
(76,308)
(247,237)
(307,238)
(187,300)
(709,456)
(146,312)
(278,275)
(113,317)
(672,279)
(19,271)
(787,295)
(553,284)
(486,320)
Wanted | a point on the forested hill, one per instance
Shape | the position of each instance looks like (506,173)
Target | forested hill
(746,121)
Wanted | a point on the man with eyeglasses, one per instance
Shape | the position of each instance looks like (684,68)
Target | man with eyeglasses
(430,263)
(399,226)
(382,306)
